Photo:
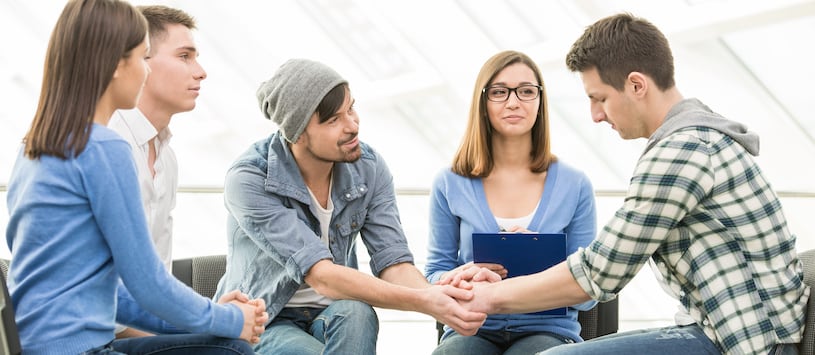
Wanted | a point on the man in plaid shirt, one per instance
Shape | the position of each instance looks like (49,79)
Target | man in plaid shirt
(699,209)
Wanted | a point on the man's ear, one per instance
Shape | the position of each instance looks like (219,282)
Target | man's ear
(638,82)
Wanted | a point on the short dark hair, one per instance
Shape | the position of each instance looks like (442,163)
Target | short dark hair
(620,44)
(331,102)
(159,16)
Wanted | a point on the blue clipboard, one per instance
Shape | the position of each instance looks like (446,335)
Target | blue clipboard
(521,254)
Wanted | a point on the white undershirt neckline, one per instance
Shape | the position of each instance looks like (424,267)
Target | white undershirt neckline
(507,223)
(306,296)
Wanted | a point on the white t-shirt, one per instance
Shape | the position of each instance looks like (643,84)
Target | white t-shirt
(306,296)
(507,223)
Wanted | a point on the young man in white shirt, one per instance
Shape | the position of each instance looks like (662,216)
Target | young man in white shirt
(172,87)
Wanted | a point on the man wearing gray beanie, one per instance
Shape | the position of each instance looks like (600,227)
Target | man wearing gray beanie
(297,201)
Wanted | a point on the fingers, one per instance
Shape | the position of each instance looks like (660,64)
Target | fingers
(234,295)
(496,268)
(262,318)
(260,305)
(486,275)
(465,275)
(255,318)
(458,293)
(466,322)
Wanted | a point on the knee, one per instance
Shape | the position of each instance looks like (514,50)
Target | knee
(557,350)
(357,312)
(243,347)
(356,309)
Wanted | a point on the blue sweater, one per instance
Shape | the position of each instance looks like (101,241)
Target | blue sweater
(76,227)
(458,208)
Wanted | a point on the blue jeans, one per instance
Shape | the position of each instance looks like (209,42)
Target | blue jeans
(674,340)
(344,327)
(499,342)
(175,344)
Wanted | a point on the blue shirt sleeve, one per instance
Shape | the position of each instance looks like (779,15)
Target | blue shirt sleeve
(110,174)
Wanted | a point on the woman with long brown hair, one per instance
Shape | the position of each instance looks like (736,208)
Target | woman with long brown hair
(504,177)
(76,223)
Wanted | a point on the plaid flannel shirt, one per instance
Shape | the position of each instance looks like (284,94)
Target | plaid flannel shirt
(701,207)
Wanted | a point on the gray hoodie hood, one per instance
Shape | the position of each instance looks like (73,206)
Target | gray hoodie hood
(693,113)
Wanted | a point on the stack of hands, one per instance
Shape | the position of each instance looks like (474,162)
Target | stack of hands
(465,296)
(468,294)
(254,314)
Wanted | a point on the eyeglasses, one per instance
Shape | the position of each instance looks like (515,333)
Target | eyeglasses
(501,93)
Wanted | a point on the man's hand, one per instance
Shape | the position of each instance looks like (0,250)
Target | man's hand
(443,304)
(482,292)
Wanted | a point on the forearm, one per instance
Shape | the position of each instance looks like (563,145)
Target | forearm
(405,274)
(340,282)
(132,333)
(552,288)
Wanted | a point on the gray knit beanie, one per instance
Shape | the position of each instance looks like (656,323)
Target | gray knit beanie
(291,96)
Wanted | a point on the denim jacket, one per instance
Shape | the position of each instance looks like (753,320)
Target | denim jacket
(273,234)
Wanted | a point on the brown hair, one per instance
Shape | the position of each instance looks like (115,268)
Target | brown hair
(620,44)
(88,41)
(159,16)
(474,155)
(332,101)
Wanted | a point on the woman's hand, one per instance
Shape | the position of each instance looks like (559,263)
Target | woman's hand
(461,271)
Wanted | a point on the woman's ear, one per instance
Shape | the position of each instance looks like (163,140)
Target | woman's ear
(122,62)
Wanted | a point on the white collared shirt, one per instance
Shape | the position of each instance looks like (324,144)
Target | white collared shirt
(157,193)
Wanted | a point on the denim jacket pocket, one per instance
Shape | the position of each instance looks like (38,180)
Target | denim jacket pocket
(350,225)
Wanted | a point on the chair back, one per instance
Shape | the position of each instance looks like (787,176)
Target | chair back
(202,273)
(807,346)
(9,338)
(602,319)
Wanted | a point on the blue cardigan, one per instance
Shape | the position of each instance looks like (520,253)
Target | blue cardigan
(458,208)
(75,228)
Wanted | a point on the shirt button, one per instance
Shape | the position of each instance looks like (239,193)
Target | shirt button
(681,293)
(347,195)
(705,322)
(361,189)
(353,224)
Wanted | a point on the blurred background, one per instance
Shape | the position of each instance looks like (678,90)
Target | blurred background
(412,66)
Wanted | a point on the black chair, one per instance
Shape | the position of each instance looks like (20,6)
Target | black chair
(807,346)
(202,273)
(601,320)
(9,338)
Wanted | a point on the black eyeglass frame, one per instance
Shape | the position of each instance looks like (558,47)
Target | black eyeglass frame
(510,90)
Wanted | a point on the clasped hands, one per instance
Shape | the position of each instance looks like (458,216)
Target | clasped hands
(254,314)
(466,285)
(470,286)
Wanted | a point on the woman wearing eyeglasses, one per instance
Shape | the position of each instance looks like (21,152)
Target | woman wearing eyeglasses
(504,177)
